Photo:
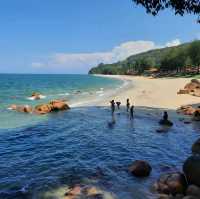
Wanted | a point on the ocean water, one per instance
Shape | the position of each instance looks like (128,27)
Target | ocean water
(76,89)
(41,159)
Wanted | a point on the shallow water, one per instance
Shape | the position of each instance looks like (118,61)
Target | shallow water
(78,147)
(76,89)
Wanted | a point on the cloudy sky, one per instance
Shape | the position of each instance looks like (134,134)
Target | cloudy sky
(72,36)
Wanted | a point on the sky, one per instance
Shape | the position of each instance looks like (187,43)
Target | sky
(71,36)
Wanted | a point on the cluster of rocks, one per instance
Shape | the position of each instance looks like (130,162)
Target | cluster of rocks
(192,88)
(36,96)
(54,105)
(191,111)
(175,185)
(90,192)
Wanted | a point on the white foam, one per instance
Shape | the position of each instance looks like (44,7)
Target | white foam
(34,98)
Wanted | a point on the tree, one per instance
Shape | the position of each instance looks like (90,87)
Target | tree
(180,7)
(194,53)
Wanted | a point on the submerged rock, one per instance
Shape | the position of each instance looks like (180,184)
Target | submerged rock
(193,190)
(140,168)
(196,147)
(21,108)
(172,183)
(186,110)
(191,169)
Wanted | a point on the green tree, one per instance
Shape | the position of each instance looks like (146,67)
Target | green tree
(194,53)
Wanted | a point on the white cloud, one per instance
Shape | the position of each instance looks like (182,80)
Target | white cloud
(37,64)
(174,42)
(82,62)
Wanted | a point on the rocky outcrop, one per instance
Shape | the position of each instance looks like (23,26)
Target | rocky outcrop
(55,105)
(196,147)
(191,169)
(192,88)
(43,109)
(58,105)
(140,168)
(186,110)
(172,183)
(21,108)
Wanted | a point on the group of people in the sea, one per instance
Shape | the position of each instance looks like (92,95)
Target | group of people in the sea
(130,109)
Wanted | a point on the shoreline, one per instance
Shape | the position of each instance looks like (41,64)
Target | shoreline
(153,93)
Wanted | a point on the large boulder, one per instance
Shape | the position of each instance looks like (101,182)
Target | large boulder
(172,183)
(193,190)
(43,109)
(196,147)
(194,84)
(59,105)
(140,168)
(191,169)
(21,108)
(196,115)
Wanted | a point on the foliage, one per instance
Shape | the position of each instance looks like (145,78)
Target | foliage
(180,7)
(180,59)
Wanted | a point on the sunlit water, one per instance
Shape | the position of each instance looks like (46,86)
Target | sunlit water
(78,147)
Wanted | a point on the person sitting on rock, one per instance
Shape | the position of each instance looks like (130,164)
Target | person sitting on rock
(112,102)
(131,112)
(127,105)
(118,105)
(165,120)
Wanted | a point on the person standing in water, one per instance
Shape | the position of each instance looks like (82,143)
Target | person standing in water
(131,112)
(112,102)
(118,105)
(127,105)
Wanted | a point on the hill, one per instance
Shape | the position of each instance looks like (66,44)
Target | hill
(179,58)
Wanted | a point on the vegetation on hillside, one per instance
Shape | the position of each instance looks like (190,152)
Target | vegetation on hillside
(182,59)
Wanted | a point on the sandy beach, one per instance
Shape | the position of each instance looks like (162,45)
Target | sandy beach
(157,93)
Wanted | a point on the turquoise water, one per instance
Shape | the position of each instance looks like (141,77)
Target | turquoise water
(16,89)
(42,157)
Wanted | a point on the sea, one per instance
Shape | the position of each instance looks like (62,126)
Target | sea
(41,157)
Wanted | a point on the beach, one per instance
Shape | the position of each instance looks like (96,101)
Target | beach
(155,93)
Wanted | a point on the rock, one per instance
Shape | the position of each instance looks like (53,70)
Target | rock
(140,168)
(22,109)
(196,115)
(191,169)
(59,105)
(43,109)
(165,196)
(73,192)
(183,91)
(89,191)
(161,130)
(196,147)
(165,122)
(36,96)
(172,183)
(186,110)
(193,190)
(190,197)
(193,87)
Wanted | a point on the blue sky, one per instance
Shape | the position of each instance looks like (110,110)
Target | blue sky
(70,36)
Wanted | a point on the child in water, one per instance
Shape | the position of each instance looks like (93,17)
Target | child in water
(131,112)
(118,105)
(127,105)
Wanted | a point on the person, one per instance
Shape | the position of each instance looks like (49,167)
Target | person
(165,121)
(127,105)
(131,112)
(112,102)
(118,105)
(165,116)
